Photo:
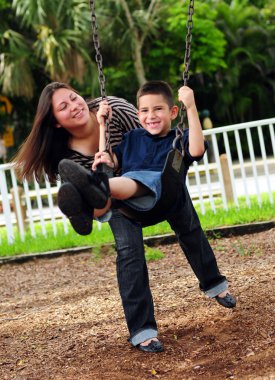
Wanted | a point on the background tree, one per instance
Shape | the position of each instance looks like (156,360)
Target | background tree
(247,80)
(207,51)
(232,60)
(50,38)
(42,42)
(127,29)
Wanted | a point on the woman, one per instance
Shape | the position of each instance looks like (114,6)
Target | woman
(65,126)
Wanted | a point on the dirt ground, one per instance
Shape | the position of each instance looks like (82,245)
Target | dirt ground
(62,319)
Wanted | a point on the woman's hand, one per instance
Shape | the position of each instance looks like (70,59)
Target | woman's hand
(103,158)
(104,112)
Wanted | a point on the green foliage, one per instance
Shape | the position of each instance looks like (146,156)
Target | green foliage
(208,43)
(51,37)
(4,4)
(16,65)
(246,80)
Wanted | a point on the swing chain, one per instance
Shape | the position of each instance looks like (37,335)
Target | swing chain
(98,56)
(99,61)
(188,40)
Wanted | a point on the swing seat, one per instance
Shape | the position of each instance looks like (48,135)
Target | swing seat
(171,182)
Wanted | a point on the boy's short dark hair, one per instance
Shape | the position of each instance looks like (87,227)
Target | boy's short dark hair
(156,87)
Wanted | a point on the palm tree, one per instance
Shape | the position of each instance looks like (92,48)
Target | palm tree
(51,37)
(130,24)
(15,68)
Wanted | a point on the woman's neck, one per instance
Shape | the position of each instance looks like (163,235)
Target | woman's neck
(86,140)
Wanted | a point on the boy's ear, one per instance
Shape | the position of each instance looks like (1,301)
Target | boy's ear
(174,112)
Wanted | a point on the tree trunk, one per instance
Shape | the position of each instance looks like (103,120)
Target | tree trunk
(138,62)
(137,45)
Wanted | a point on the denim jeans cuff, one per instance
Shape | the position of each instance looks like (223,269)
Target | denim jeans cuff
(142,336)
(213,292)
(105,217)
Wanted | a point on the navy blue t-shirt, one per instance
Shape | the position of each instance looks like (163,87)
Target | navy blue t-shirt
(139,150)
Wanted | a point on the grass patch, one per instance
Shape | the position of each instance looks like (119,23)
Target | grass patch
(52,242)
(246,250)
(209,220)
(153,254)
(241,215)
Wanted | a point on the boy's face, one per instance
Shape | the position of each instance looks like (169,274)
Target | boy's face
(155,115)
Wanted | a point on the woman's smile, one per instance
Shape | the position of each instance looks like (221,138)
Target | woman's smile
(78,114)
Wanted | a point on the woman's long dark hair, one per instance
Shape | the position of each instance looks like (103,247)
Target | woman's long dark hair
(46,145)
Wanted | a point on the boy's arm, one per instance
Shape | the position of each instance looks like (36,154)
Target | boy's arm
(196,138)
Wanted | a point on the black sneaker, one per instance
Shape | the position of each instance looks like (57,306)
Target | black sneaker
(93,186)
(152,347)
(70,203)
(227,301)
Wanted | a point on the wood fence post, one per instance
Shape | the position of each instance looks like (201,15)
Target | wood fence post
(226,178)
(21,206)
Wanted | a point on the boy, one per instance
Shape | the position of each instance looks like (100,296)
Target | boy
(142,153)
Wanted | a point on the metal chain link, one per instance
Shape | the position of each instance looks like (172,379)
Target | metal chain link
(188,40)
(99,61)
(98,56)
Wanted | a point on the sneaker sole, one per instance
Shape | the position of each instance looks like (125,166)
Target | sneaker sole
(80,178)
(70,203)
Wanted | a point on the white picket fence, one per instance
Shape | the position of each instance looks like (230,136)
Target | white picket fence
(23,205)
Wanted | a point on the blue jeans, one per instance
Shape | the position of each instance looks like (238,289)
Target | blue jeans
(133,280)
(185,223)
(132,270)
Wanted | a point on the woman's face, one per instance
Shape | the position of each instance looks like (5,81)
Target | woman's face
(70,109)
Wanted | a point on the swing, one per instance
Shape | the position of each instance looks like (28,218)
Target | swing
(174,167)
